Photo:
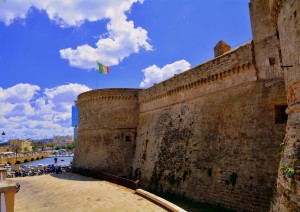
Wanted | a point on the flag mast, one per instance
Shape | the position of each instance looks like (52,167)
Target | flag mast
(102,70)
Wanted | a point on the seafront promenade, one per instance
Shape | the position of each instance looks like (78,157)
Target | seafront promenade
(73,192)
(12,159)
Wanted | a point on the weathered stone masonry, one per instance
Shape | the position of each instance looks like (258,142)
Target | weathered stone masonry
(107,136)
(213,133)
(286,18)
(203,128)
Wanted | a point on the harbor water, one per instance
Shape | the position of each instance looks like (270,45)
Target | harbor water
(61,160)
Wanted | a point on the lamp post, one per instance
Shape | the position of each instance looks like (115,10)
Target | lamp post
(3,135)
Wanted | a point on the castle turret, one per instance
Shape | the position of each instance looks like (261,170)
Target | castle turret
(266,45)
(108,120)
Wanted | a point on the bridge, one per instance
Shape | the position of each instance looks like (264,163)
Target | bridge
(23,158)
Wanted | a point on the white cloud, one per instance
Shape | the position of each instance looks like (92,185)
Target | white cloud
(18,93)
(13,9)
(122,38)
(65,12)
(22,109)
(15,100)
(62,97)
(5,108)
(154,74)
(38,113)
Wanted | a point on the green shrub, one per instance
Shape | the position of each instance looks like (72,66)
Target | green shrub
(288,171)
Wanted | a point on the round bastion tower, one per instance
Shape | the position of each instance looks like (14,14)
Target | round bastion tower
(108,120)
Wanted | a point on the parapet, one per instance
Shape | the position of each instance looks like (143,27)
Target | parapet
(224,66)
(108,94)
(108,109)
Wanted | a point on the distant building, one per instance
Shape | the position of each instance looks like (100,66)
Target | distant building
(62,140)
(75,121)
(21,145)
(43,141)
(5,149)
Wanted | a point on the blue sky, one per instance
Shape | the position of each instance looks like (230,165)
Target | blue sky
(49,49)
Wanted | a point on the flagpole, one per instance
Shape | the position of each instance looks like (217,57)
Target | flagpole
(97,77)
(102,70)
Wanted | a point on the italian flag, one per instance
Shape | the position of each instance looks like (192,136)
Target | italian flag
(103,69)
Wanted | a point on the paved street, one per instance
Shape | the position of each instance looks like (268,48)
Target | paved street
(72,192)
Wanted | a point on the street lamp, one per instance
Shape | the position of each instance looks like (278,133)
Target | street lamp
(3,135)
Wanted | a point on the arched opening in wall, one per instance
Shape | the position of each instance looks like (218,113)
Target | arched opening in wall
(280,115)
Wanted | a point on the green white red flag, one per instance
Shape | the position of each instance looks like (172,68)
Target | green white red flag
(103,69)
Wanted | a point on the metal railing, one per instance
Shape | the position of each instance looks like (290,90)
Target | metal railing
(120,181)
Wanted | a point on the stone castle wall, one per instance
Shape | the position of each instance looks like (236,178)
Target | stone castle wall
(107,134)
(213,133)
(220,70)
(210,133)
(196,148)
(267,51)
(286,16)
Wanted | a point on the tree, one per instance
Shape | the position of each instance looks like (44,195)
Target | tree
(71,146)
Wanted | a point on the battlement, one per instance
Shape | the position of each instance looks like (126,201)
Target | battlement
(225,66)
(108,94)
